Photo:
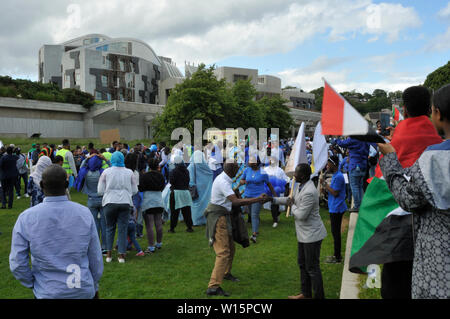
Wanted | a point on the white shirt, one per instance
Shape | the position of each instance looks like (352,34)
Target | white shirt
(277,172)
(221,189)
(117,185)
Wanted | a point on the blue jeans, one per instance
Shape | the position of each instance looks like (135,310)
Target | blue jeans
(356,179)
(132,234)
(117,214)
(95,206)
(255,209)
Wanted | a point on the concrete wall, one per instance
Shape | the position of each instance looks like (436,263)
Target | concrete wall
(269,84)
(228,73)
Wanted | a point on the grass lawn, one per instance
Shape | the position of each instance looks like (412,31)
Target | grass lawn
(182,268)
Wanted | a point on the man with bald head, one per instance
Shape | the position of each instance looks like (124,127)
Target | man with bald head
(219,229)
(61,237)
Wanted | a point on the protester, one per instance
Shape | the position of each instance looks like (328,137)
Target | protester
(396,252)
(310,233)
(358,155)
(425,193)
(117,185)
(69,162)
(152,184)
(22,168)
(201,176)
(218,227)
(60,236)
(180,197)
(278,175)
(254,179)
(34,181)
(10,174)
(89,176)
(131,233)
(131,162)
(35,154)
(336,205)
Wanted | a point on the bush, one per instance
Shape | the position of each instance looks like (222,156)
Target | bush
(43,91)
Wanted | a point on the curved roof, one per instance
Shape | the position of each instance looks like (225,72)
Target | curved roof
(87,36)
(113,40)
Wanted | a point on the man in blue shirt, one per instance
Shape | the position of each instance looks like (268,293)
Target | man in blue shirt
(336,205)
(61,238)
(358,154)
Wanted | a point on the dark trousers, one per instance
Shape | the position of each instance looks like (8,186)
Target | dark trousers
(8,190)
(336,222)
(25,183)
(174,213)
(310,273)
(396,280)
(275,209)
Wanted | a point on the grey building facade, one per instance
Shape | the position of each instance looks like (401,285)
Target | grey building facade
(123,69)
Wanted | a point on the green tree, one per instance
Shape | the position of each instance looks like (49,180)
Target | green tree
(438,77)
(246,112)
(318,95)
(379,93)
(276,114)
(201,97)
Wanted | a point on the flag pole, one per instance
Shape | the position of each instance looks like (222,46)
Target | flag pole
(290,196)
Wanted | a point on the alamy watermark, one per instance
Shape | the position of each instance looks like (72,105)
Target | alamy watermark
(228,140)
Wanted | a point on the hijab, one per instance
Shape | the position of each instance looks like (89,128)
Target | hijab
(42,164)
(117,159)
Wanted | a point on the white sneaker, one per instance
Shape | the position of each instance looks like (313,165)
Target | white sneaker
(26,195)
(108,259)
(275,225)
(121,260)
(18,197)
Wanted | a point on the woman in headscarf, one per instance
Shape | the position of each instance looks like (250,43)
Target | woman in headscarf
(90,171)
(117,184)
(34,187)
(201,176)
(180,197)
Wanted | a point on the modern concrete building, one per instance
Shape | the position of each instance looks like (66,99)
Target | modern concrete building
(123,69)
(299,99)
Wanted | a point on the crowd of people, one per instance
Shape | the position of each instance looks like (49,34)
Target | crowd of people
(129,187)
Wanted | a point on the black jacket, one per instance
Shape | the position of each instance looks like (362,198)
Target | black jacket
(151,181)
(179,178)
(8,166)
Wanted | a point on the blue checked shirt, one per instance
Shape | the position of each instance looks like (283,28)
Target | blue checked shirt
(66,257)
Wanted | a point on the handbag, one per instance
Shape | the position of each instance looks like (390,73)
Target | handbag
(193,189)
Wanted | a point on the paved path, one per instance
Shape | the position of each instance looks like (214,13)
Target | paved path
(350,281)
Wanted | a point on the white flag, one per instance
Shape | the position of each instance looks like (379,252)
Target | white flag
(320,150)
(298,153)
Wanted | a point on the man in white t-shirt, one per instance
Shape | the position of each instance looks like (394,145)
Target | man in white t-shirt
(218,226)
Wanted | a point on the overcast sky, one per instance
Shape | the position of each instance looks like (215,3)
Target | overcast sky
(354,44)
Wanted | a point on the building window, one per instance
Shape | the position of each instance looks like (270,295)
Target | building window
(98,95)
(67,80)
(261,80)
(121,96)
(77,77)
(104,80)
(108,96)
(122,65)
(239,77)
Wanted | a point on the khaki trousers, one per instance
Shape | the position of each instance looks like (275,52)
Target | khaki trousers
(224,248)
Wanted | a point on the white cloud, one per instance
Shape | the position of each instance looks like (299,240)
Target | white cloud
(345,80)
(197,31)
(439,43)
(445,12)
